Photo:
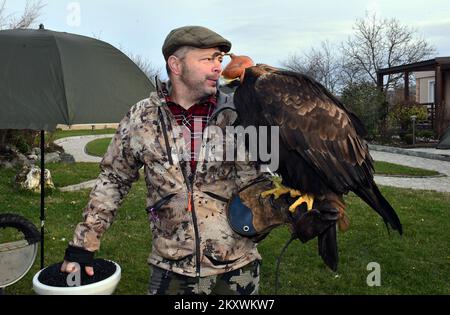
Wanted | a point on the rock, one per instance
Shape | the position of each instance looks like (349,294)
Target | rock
(12,158)
(33,157)
(7,164)
(23,160)
(52,157)
(67,158)
(36,151)
(29,178)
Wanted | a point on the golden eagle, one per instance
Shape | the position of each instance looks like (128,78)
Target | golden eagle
(322,154)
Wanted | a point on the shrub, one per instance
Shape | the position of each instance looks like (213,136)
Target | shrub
(401,114)
(408,138)
(369,104)
(21,139)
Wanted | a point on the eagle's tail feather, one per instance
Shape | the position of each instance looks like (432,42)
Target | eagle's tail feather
(375,199)
(328,250)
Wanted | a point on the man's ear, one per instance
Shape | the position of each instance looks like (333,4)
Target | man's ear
(174,64)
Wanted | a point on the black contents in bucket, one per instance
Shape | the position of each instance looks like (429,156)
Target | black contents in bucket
(52,276)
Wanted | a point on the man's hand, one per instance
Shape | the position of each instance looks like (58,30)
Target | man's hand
(70,267)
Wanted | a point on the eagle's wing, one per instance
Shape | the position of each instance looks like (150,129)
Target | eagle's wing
(321,146)
(317,126)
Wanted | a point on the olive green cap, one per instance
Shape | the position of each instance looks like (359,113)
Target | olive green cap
(195,36)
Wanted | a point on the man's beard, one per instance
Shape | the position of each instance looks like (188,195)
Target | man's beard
(196,86)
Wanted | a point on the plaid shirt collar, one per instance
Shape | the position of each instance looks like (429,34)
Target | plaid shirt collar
(197,113)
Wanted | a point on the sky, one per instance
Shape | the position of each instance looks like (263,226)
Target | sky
(268,31)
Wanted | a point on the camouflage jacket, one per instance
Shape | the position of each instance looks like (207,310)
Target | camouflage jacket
(199,242)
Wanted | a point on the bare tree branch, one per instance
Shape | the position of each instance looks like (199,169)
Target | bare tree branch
(26,19)
(146,66)
(29,16)
(382,43)
(319,63)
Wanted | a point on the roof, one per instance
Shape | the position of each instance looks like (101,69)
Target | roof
(426,65)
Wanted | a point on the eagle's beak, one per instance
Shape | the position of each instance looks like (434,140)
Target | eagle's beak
(225,81)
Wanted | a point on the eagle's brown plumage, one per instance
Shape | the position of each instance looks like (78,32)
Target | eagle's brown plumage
(322,151)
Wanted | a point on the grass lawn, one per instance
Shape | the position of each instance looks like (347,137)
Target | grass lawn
(71,174)
(58,134)
(98,147)
(386,168)
(417,263)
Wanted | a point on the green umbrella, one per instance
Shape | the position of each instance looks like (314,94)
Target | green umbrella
(49,78)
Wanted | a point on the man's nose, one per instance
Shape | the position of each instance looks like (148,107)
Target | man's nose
(217,66)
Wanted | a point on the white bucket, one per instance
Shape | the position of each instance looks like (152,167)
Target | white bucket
(104,287)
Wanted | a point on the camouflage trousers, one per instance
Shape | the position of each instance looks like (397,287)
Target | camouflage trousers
(243,281)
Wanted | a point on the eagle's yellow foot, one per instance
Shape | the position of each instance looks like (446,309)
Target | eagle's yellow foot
(309,199)
(278,190)
(281,190)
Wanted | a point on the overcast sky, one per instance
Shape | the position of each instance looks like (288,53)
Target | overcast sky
(268,31)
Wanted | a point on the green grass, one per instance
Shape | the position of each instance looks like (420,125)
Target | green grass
(58,134)
(71,174)
(98,147)
(127,241)
(385,168)
(416,263)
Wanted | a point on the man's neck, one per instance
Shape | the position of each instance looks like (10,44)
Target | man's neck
(183,97)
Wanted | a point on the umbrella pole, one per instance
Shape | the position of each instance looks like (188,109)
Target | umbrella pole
(42,195)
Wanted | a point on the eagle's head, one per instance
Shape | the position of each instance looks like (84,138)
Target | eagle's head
(235,70)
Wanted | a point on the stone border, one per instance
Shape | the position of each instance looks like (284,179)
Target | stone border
(425,155)
(411,176)
(84,185)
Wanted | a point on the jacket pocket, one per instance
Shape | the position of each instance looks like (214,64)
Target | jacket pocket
(173,248)
(152,210)
(172,230)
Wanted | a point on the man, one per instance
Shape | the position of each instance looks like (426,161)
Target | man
(194,250)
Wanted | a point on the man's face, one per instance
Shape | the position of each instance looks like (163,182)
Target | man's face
(201,69)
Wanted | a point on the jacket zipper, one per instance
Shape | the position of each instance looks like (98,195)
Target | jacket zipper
(190,203)
(191,207)
(197,236)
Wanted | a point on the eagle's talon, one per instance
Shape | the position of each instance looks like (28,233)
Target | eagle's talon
(276,192)
(308,199)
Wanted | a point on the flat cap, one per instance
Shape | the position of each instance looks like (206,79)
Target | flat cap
(195,36)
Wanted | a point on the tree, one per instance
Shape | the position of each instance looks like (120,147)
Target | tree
(369,104)
(146,66)
(320,63)
(23,139)
(383,43)
(143,63)
(375,44)
(26,19)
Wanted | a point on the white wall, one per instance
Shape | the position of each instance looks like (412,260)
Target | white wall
(87,126)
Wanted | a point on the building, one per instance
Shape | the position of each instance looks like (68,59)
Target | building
(432,87)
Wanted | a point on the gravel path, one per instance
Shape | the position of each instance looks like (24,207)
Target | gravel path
(76,147)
